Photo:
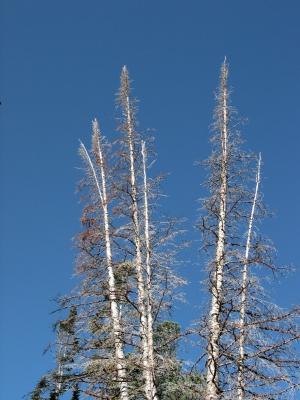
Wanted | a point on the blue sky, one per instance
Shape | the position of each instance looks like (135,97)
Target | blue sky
(60,66)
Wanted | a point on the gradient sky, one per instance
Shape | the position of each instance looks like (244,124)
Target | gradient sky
(60,66)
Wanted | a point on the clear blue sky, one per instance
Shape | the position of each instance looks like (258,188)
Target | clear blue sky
(60,66)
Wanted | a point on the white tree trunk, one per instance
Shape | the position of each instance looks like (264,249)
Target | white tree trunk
(214,324)
(61,354)
(115,315)
(148,272)
(139,266)
(241,383)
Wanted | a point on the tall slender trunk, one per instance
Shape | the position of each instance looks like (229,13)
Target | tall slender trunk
(115,315)
(61,356)
(241,383)
(216,289)
(148,272)
(139,265)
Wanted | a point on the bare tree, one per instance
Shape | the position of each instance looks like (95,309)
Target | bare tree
(217,281)
(267,360)
(101,189)
(223,211)
(128,127)
(152,234)
(244,289)
(148,272)
(247,336)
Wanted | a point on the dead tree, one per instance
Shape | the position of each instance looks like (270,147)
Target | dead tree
(249,339)
(95,169)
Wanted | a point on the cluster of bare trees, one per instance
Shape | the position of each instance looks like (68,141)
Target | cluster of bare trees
(116,340)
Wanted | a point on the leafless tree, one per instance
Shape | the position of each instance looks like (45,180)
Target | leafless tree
(247,336)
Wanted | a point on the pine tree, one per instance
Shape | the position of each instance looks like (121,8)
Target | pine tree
(249,339)
(101,188)
(128,128)
(223,213)
(151,234)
